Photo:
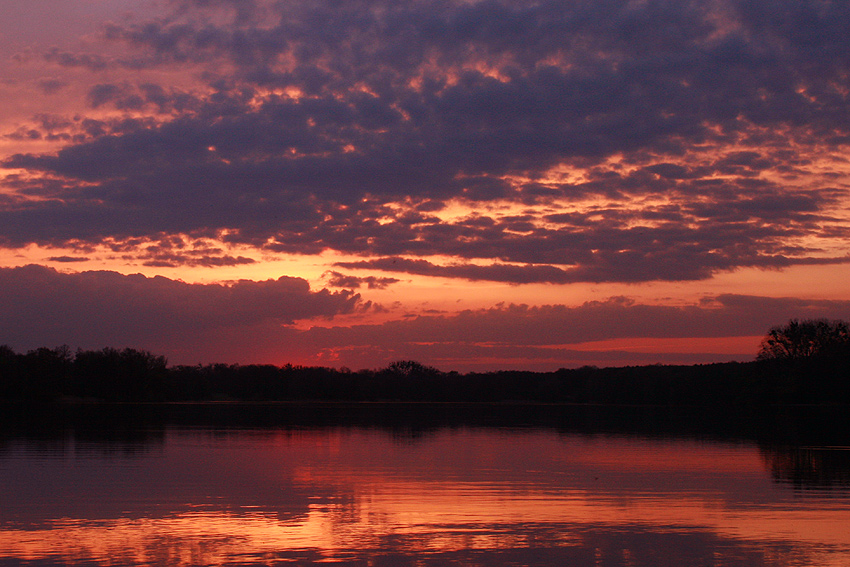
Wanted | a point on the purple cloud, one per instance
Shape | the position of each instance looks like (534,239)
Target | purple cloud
(336,279)
(252,322)
(40,306)
(694,126)
(546,337)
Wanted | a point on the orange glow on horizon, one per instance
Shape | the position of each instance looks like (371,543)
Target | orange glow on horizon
(716,345)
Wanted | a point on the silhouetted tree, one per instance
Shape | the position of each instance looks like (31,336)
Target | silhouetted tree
(9,373)
(112,374)
(45,372)
(800,340)
(410,368)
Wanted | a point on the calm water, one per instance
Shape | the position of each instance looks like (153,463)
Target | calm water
(489,491)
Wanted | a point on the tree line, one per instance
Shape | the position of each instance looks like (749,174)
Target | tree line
(800,362)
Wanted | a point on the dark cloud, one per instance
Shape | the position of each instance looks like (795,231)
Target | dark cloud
(40,306)
(311,116)
(336,279)
(250,321)
(673,245)
(67,259)
(101,94)
(614,318)
(52,86)
(546,337)
(497,272)
(91,61)
(174,251)
(176,260)
(684,241)
(147,97)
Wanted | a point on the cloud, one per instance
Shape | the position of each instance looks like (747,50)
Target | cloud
(708,134)
(550,336)
(614,318)
(93,62)
(175,260)
(41,307)
(52,86)
(174,251)
(336,279)
(496,272)
(248,321)
(67,259)
(624,268)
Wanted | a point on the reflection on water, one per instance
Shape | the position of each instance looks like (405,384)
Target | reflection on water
(810,468)
(178,491)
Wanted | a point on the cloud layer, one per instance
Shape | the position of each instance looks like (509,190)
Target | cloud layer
(623,141)
(42,307)
(252,322)
(380,145)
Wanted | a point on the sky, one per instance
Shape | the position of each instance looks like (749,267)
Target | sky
(472,184)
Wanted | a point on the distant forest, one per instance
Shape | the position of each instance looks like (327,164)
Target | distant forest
(803,362)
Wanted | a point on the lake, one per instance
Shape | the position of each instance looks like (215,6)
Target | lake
(419,485)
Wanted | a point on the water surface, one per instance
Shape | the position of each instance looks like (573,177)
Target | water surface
(356,492)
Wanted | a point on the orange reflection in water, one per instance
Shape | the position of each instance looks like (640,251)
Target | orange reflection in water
(450,492)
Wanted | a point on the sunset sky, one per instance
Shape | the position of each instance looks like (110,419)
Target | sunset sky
(471,184)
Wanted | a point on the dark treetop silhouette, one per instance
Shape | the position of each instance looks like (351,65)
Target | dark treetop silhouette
(805,339)
(801,362)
